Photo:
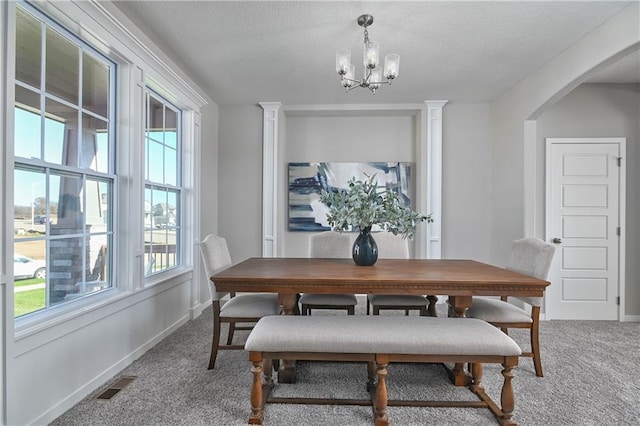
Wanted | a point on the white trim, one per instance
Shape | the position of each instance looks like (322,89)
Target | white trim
(630,318)
(622,203)
(270,178)
(356,109)
(434,176)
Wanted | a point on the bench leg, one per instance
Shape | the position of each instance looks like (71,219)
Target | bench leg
(267,372)
(257,404)
(380,402)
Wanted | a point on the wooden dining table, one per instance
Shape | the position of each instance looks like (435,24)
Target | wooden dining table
(459,279)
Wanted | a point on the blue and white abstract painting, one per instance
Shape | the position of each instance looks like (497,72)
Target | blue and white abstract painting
(307,180)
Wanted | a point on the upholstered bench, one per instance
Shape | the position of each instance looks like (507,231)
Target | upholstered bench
(379,340)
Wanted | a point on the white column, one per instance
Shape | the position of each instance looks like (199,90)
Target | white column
(434,176)
(270,178)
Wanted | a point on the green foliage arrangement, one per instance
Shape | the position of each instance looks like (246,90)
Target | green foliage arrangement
(366,204)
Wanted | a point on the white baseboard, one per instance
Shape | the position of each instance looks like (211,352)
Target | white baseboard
(631,318)
(197,310)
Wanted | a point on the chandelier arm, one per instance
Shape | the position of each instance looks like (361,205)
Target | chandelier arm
(351,80)
(368,72)
(378,82)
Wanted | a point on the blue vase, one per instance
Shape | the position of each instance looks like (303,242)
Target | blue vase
(365,249)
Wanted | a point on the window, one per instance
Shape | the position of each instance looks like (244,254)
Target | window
(162,185)
(64,179)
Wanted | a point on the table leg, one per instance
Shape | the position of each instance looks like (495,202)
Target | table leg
(460,304)
(432,305)
(287,370)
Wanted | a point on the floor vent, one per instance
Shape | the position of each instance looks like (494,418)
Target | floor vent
(116,387)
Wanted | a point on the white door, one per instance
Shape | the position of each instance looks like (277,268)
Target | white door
(583,217)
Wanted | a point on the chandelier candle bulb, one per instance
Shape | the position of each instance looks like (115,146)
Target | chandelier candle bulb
(391,65)
(374,81)
(371,49)
(343,61)
(348,79)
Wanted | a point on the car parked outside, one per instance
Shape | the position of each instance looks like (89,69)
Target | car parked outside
(40,220)
(24,267)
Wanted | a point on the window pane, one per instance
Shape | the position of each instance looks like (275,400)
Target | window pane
(95,148)
(148,211)
(65,269)
(170,166)
(155,162)
(28,48)
(159,254)
(96,272)
(171,128)
(173,208)
(159,207)
(27,124)
(95,85)
(100,258)
(30,274)
(155,115)
(62,67)
(98,199)
(68,205)
(60,134)
(30,204)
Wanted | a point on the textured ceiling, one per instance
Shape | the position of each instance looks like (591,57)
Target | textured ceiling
(242,53)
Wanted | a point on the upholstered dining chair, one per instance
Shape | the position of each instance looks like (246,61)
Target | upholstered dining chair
(329,244)
(395,247)
(529,256)
(242,308)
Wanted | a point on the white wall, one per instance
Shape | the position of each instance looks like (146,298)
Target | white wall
(598,110)
(466,177)
(355,139)
(240,180)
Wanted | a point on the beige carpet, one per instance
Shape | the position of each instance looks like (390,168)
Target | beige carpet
(590,379)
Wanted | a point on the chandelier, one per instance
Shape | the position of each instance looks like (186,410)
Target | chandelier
(372,76)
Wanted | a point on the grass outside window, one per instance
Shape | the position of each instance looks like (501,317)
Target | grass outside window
(26,302)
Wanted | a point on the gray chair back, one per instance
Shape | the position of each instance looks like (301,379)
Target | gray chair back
(215,258)
(391,246)
(533,257)
(330,244)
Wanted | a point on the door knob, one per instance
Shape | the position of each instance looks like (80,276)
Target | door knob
(557,240)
